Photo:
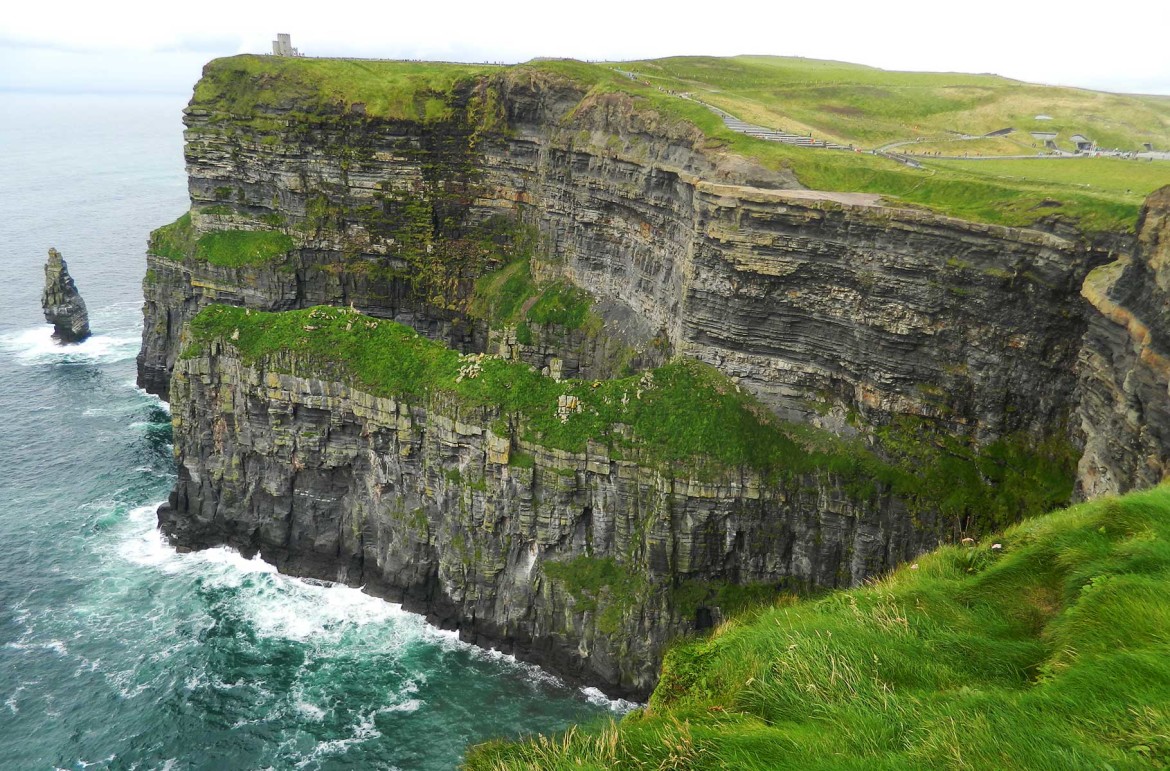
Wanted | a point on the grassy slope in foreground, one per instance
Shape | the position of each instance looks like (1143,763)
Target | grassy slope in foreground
(1052,652)
(685,418)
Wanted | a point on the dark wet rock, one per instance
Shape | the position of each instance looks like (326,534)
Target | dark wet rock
(62,303)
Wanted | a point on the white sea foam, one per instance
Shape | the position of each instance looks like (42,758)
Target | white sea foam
(450,640)
(275,605)
(309,711)
(410,705)
(620,706)
(133,385)
(10,702)
(362,731)
(53,646)
(319,613)
(37,346)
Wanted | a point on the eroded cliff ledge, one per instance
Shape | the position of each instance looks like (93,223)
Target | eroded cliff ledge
(924,368)
(583,541)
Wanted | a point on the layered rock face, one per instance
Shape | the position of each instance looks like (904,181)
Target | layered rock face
(1124,365)
(827,306)
(423,504)
(62,303)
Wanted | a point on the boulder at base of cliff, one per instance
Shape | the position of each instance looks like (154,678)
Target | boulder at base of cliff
(62,303)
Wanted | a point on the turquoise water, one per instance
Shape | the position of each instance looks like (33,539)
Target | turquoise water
(115,651)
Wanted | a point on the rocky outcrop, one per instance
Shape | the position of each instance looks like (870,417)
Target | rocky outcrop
(62,303)
(175,290)
(1124,365)
(584,562)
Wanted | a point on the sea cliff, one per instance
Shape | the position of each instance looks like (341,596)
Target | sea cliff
(928,377)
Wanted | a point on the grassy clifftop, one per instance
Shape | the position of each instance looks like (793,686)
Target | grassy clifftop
(1048,647)
(385,89)
(849,102)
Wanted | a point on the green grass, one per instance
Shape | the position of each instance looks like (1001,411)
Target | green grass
(562,304)
(225,248)
(236,248)
(685,418)
(1052,652)
(870,106)
(175,241)
(500,295)
(247,84)
(1123,180)
(509,295)
(598,584)
(685,411)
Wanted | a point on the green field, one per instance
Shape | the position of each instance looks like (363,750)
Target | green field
(870,106)
(1018,200)
(1124,180)
(1048,651)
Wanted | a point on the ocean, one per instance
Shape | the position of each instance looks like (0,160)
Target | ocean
(116,652)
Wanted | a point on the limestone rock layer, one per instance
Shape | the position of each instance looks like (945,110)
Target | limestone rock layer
(1124,363)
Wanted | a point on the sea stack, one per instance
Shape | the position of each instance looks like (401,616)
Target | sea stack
(62,303)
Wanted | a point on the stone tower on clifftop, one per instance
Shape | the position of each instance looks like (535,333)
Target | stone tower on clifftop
(283,46)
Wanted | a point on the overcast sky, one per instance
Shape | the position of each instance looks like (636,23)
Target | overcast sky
(159,46)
